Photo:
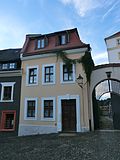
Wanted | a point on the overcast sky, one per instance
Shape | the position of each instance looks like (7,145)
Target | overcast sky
(94,19)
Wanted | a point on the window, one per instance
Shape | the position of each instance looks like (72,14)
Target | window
(30,108)
(5,66)
(8,120)
(40,43)
(118,41)
(67,74)
(32,75)
(12,65)
(62,39)
(48,108)
(48,74)
(7,91)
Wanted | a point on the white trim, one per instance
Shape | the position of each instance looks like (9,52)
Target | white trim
(59,114)
(46,55)
(61,74)
(25,108)
(42,108)
(43,74)
(27,75)
(5,84)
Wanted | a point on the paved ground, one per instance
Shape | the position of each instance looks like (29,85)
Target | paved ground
(87,146)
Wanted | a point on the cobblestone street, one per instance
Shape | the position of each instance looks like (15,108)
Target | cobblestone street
(86,146)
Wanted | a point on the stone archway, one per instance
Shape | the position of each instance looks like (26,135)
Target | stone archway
(98,75)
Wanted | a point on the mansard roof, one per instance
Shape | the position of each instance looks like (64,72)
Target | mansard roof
(74,42)
(10,55)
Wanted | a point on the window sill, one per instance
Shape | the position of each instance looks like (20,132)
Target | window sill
(48,119)
(6,101)
(28,85)
(7,130)
(32,119)
(67,82)
(48,83)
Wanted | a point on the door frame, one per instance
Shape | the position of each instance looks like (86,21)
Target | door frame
(59,114)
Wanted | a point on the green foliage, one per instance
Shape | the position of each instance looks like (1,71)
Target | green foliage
(88,64)
(86,61)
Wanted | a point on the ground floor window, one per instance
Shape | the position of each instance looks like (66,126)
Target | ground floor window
(30,108)
(8,120)
(48,108)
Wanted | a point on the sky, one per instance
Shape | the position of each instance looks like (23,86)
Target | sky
(94,19)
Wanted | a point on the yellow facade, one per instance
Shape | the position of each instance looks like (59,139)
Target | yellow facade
(57,90)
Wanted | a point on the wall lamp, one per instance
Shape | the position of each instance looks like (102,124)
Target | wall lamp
(79,81)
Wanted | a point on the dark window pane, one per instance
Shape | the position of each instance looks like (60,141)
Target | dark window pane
(49,74)
(48,108)
(7,93)
(67,73)
(30,108)
(33,76)
(9,121)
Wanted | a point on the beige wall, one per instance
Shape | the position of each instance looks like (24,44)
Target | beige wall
(54,90)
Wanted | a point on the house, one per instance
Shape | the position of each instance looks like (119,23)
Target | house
(113,48)
(51,100)
(10,86)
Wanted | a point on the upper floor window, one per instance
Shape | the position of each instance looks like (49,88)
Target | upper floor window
(62,39)
(30,108)
(48,72)
(67,73)
(6,66)
(118,41)
(7,91)
(32,75)
(12,65)
(40,43)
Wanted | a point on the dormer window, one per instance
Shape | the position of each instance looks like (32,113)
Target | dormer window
(7,66)
(118,41)
(40,43)
(62,39)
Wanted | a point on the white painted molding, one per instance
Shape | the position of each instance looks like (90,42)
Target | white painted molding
(27,75)
(59,113)
(25,108)
(42,108)
(43,74)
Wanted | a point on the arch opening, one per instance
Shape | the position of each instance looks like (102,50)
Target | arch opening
(106,109)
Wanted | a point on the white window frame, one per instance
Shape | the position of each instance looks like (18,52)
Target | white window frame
(27,75)
(43,74)
(7,84)
(41,43)
(61,74)
(25,108)
(42,109)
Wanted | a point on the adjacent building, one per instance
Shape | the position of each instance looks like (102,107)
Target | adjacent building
(51,100)
(10,87)
(113,48)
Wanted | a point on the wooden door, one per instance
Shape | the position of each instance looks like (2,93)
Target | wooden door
(69,115)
